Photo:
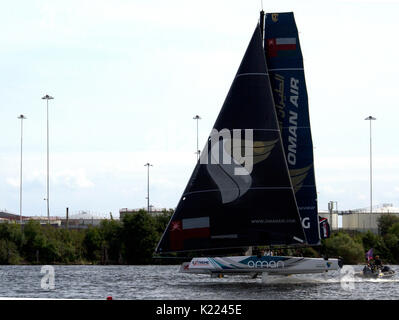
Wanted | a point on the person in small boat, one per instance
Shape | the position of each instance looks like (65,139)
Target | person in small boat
(377,263)
(379,266)
(367,269)
(371,265)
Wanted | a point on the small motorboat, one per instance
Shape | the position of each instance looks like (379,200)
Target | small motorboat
(384,272)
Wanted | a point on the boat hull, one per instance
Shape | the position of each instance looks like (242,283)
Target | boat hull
(252,265)
(380,275)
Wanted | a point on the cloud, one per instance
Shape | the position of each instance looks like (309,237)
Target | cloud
(14,182)
(73,179)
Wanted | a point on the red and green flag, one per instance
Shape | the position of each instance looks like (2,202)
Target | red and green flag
(278,47)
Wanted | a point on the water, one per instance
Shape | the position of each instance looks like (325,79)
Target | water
(164,282)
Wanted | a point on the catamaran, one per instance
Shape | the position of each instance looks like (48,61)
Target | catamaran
(254,183)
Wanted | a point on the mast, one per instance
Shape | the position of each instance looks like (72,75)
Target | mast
(262,24)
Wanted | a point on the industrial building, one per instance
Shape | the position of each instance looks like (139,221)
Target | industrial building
(153,211)
(360,220)
(79,220)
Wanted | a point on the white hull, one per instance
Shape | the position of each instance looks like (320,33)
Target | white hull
(253,265)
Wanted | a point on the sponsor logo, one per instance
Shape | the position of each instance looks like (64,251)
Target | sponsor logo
(306,223)
(266,221)
(279,98)
(229,160)
(200,262)
(293,122)
(298,176)
(328,264)
(275,17)
(265,264)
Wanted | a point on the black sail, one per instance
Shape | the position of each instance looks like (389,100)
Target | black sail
(287,78)
(240,192)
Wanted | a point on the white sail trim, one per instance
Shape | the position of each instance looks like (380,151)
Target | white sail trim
(252,74)
(297,239)
(288,69)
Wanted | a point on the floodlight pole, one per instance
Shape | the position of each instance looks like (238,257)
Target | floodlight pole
(47,97)
(197,117)
(148,165)
(371,171)
(22,117)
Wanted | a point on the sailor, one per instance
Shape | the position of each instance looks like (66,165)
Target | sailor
(372,264)
(367,269)
(377,262)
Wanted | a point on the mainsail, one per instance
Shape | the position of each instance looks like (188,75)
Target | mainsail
(240,192)
(285,63)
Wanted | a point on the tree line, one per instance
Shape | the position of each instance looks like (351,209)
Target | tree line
(352,246)
(133,239)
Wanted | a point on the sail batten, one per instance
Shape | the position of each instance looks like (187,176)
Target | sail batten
(240,193)
(251,74)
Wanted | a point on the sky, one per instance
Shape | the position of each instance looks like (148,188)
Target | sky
(128,77)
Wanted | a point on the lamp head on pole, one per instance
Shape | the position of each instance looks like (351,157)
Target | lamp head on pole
(47,97)
(370,118)
(197,117)
(21,117)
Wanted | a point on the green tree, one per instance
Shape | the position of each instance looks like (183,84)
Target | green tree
(162,220)
(93,243)
(385,222)
(371,240)
(392,243)
(34,241)
(112,233)
(139,237)
(394,229)
(12,232)
(9,252)
(342,245)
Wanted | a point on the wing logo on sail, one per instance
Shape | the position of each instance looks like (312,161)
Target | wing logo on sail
(298,176)
(224,174)
(231,186)
(262,150)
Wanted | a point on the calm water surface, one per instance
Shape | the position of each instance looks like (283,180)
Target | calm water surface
(164,282)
